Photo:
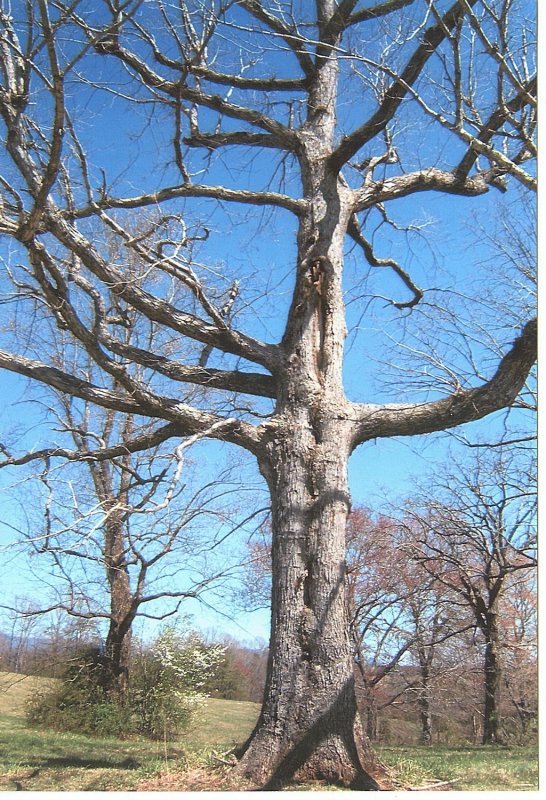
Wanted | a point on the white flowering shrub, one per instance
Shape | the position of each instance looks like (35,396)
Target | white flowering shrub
(167,691)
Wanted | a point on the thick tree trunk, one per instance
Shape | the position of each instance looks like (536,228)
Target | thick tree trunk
(492,682)
(117,653)
(117,648)
(309,727)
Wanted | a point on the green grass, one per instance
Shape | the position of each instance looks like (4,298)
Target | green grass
(225,723)
(16,689)
(48,761)
(471,768)
(36,760)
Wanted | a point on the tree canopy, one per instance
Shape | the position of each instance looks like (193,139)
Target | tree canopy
(326,118)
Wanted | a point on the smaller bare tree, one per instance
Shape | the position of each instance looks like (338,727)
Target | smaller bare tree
(400,617)
(476,529)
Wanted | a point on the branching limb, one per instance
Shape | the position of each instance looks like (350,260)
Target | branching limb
(253,383)
(255,84)
(293,39)
(393,97)
(136,445)
(379,10)
(190,420)
(357,236)
(462,406)
(528,98)
(179,91)
(213,141)
(427,180)
(51,171)
(476,134)
(159,310)
(219,193)
(479,143)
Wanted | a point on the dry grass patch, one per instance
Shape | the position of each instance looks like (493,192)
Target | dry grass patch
(16,689)
(195,780)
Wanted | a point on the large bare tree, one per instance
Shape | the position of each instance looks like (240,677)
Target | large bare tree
(334,101)
(124,539)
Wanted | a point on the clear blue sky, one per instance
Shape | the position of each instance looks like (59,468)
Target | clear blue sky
(444,259)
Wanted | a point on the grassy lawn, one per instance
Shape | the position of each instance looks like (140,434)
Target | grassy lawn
(225,723)
(16,689)
(35,760)
(48,761)
(473,769)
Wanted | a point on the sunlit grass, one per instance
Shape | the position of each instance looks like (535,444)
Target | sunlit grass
(471,768)
(42,760)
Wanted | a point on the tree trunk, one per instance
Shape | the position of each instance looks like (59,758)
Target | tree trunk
(425,716)
(423,697)
(475,729)
(117,652)
(117,648)
(309,727)
(371,716)
(492,682)
(366,700)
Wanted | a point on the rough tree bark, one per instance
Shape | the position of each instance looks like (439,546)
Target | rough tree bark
(423,698)
(309,726)
(117,645)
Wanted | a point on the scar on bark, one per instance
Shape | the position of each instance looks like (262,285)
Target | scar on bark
(316,282)
(316,274)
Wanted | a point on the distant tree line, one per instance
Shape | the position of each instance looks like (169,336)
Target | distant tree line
(238,675)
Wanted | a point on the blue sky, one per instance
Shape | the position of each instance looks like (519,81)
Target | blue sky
(258,248)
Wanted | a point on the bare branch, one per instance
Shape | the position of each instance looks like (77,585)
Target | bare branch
(393,97)
(356,235)
(427,180)
(136,445)
(189,419)
(256,84)
(219,193)
(160,310)
(379,10)
(462,406)
(179,91)
(291,37)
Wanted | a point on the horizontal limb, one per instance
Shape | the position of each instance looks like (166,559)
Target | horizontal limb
(463,405)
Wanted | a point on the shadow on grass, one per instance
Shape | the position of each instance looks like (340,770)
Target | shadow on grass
(47,762)
(38,767)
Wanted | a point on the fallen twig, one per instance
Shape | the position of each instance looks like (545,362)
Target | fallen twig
(432,785)
(223,761)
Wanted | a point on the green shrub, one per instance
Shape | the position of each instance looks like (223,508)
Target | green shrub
(78,703)
(165,695)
